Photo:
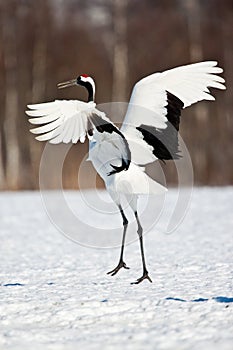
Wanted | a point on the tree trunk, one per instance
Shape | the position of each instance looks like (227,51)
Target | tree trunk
(11,99)
(200,111)
(120,56)
(39,78)
(2,176)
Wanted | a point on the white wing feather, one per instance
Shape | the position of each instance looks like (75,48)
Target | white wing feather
(61,120)
(148,101)
(189,83)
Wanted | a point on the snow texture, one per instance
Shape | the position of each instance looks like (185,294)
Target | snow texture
(55,294)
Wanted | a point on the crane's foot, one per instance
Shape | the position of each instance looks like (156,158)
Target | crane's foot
(119,266)
(145,276)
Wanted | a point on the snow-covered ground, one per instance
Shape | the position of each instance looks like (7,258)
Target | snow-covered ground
(55,294)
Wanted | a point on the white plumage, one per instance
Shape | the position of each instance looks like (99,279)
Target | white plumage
(149,131)
(64,121)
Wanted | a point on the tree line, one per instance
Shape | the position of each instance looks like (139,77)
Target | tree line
(117,42)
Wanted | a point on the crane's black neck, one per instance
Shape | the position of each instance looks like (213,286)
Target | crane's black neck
(89,88)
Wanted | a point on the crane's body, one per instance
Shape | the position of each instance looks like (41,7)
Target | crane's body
(149,131)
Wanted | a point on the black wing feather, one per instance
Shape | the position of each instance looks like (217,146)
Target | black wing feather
(165,141)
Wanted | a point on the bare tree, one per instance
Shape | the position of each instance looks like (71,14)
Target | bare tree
(2,108)
(9,33)
(39,71)
(2,175)
(193,15)
(120,57)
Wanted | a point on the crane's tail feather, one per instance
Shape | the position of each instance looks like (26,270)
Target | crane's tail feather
(136,181)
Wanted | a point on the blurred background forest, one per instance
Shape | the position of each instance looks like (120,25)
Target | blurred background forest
(117,42)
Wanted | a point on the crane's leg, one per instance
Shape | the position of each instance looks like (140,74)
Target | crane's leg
(145,272)
(121,262)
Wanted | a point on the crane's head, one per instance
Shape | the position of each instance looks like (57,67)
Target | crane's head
(83,80)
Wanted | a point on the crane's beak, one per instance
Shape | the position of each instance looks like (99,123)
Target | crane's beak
(67,84)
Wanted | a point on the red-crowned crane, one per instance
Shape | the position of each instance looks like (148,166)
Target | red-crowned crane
(149,132)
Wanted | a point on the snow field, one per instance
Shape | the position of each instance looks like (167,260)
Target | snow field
(55,294)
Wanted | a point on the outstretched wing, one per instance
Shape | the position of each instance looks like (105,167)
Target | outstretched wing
(62,121)
(152,120)
(73,120)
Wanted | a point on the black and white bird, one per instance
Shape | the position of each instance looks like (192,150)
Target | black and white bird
(149,132)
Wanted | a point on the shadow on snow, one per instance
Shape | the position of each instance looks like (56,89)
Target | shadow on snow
(219,299)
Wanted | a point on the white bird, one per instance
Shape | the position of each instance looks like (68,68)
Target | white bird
(149,132)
